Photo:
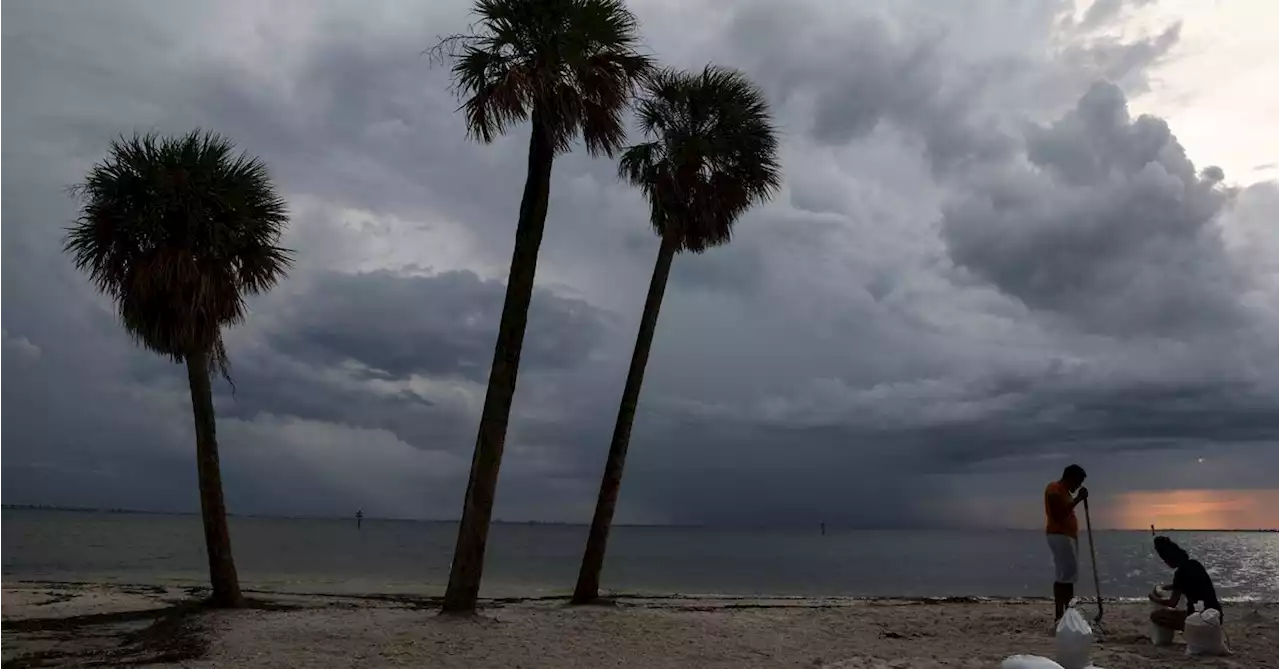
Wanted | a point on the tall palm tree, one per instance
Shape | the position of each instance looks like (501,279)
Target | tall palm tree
(178,231)
(571,68)
(712,154)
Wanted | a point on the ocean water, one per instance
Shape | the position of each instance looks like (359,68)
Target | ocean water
(304,555)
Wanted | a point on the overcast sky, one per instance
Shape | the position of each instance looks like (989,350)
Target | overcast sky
(986,263)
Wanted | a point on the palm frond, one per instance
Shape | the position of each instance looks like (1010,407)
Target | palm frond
(178,231)
(576,61)
(711,154)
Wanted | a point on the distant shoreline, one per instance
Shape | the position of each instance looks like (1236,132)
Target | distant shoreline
(834,528)
(774,600)
(366,518)
(557,523)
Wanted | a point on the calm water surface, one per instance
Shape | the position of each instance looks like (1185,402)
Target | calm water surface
(407,556)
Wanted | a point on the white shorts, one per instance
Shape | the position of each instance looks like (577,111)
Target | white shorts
(1066,562)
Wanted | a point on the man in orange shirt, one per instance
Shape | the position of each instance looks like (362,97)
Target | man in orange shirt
(1060,500)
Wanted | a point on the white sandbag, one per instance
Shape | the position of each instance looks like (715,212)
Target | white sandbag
(1160,636)
(1028,662)
(1204,632)
(1073,640)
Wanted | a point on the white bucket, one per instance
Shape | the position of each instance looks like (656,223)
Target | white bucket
(1161,636)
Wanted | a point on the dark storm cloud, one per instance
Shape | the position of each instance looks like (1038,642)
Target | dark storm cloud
(344,353)
(439,325)
(995,416)
(393,145)
(872,73)
(730,269)
(979,266)
(271,382)
(391,142)
(772,475)
(364,127)
(857,73)
(1110,224)
(840,470)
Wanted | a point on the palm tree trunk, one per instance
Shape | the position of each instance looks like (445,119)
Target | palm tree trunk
(477,510)
(588,587)
(213,511)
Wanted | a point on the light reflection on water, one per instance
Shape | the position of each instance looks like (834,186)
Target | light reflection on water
(1243,564)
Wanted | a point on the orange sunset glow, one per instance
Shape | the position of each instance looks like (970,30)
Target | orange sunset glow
(1196,509)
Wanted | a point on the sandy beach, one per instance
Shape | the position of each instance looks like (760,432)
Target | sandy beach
(78,624)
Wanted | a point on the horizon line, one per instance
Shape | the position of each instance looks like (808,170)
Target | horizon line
(499,521)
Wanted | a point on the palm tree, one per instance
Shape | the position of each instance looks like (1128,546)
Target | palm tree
(178,231)
(712,154)
(570,67)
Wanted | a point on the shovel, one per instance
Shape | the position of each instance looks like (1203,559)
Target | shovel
(1093,562)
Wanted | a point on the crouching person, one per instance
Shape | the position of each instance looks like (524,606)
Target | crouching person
(1190,580)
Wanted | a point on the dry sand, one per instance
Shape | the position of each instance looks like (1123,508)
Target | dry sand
(81,624)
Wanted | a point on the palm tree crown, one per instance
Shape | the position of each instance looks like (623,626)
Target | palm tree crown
(178,231)
(712,154)
(572,62)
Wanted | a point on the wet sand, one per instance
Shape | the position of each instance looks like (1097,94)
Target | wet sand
(80,624)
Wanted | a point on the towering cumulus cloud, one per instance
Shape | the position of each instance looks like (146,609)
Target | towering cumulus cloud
(1106,221)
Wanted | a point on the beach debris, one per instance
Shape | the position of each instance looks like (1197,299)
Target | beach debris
(1204,632)
(891,634)
(1073,640)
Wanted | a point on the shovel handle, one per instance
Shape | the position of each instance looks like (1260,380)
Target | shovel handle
(1093,558)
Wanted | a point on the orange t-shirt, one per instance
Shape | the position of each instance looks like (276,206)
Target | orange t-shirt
(1060,517)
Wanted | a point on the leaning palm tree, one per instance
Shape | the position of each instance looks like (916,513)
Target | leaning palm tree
(571,68)
(178,231)
(712,154)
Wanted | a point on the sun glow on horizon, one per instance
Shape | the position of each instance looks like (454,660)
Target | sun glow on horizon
(1196,509)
